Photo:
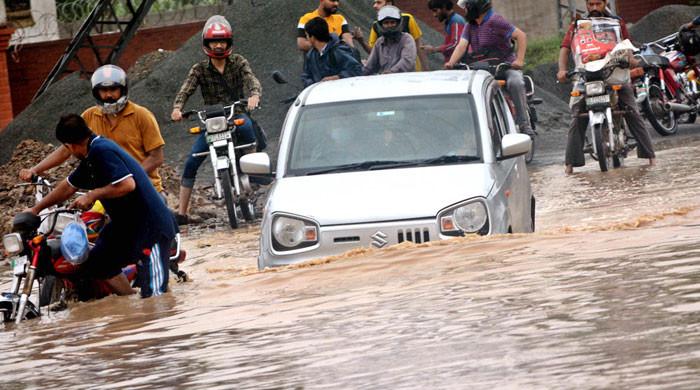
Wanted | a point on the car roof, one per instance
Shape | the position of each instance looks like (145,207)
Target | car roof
(393,85)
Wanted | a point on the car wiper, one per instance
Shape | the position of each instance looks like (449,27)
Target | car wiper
(365,165)
(447,159)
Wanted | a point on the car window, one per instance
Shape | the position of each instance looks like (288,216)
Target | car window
(397,129)
(498,122)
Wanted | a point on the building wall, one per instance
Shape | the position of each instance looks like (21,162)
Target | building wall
(31,64)
(633,10)
(45,24)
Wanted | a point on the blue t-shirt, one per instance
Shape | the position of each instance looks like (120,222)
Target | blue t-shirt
(141,211)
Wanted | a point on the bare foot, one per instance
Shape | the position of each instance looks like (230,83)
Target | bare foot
(568,169)
(652,162)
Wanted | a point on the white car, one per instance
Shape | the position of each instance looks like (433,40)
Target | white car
(378,160)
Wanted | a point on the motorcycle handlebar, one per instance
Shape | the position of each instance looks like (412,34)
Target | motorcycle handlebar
(230,109)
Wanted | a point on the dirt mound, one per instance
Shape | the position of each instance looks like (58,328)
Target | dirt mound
(264,32)
(145,64)
(661,22)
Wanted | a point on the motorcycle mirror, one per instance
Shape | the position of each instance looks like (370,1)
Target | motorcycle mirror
(278,77)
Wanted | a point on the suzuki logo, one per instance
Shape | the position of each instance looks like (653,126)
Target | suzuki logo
(379,239)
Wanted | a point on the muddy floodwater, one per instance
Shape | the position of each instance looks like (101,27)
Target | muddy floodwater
(606,294)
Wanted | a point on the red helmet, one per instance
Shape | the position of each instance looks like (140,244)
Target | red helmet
(217,28)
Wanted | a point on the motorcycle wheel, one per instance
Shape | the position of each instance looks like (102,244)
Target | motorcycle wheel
(51,291)
(601,147)
(226,184)
(664,122)
(247,210)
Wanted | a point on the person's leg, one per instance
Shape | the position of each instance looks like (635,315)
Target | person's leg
(576,138)
(154,269)
(645,148)
(192,164)
(516,88)
(106,259)
(120,285)
(246,134)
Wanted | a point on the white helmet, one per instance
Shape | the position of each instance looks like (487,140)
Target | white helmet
(110,76)
(389,12)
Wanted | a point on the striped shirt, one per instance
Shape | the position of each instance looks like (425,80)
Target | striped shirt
(491,37)
(454,26)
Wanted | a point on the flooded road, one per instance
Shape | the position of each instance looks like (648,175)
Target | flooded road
(606,294)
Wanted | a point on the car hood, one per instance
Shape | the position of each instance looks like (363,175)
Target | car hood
(380,195)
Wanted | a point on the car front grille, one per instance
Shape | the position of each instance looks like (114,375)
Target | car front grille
(415,235)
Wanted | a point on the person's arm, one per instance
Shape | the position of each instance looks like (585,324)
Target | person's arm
(458,53)
(154,159)
(110,191)
(186,90)
(347,38)
(563,64)
(360,37)
(521,39)
(251,85)
(56,158)
(422,56)
(453,39)
(59,194)
(408,56)
(307,76)
(372,65)
(349,67)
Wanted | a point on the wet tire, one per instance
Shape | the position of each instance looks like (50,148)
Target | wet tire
(225,176)
(601,147)
(531,154)
(664,122)
(247,210)
(51,291)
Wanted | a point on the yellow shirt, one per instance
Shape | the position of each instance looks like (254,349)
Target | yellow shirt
(336,23)
(413,29)
(136,131)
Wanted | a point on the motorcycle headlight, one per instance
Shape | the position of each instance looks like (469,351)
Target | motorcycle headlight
(12,243)
(595,88)
(216,124)
(62,220)
(470,217)
(293,233)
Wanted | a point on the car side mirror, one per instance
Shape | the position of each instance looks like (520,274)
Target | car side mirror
(256,164)
(514,145)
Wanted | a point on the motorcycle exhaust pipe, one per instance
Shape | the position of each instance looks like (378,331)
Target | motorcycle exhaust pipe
(677,108)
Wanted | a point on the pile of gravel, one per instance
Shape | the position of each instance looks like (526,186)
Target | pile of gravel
(662,22)
(265,33)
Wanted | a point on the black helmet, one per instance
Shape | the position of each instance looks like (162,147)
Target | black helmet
(474,8)
(689,41)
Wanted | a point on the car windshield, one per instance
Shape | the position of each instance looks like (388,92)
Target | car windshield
(384,134)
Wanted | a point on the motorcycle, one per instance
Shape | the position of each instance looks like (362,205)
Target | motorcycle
(34,248)
(598,83)
(498,70)
(667,88)
(231,185)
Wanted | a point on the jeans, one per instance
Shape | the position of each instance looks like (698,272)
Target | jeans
(515,83)
(245,134)
(578,126)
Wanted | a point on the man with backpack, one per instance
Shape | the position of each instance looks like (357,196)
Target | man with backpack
(408,25)
(328,59)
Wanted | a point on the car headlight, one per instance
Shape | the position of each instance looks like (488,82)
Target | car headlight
(12,243)
(595,88)
(293,233)
(469,217)
(216,124)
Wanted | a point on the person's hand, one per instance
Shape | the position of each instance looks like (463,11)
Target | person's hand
(518,64)
(253,102)
(30,210)
(449,65)
(26,174)
(176,115)
(83,202)
(358,34)
(561,76)
(330,78)
(428,48)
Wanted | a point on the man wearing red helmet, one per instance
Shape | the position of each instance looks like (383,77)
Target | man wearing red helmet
(223,78)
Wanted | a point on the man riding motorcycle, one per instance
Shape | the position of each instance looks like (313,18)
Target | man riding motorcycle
(140,227)
(577,129)
(489,35)
(225,77)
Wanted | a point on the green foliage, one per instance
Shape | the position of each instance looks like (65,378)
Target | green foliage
(542,51)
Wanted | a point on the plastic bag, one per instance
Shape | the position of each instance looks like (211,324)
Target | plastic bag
(74,243)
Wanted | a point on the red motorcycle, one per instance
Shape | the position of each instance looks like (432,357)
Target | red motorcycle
(667,89)
(36,255)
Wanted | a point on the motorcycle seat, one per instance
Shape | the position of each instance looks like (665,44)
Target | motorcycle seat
(653,60)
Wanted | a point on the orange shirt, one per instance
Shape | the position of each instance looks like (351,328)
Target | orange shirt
(336,23)
(135,130)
